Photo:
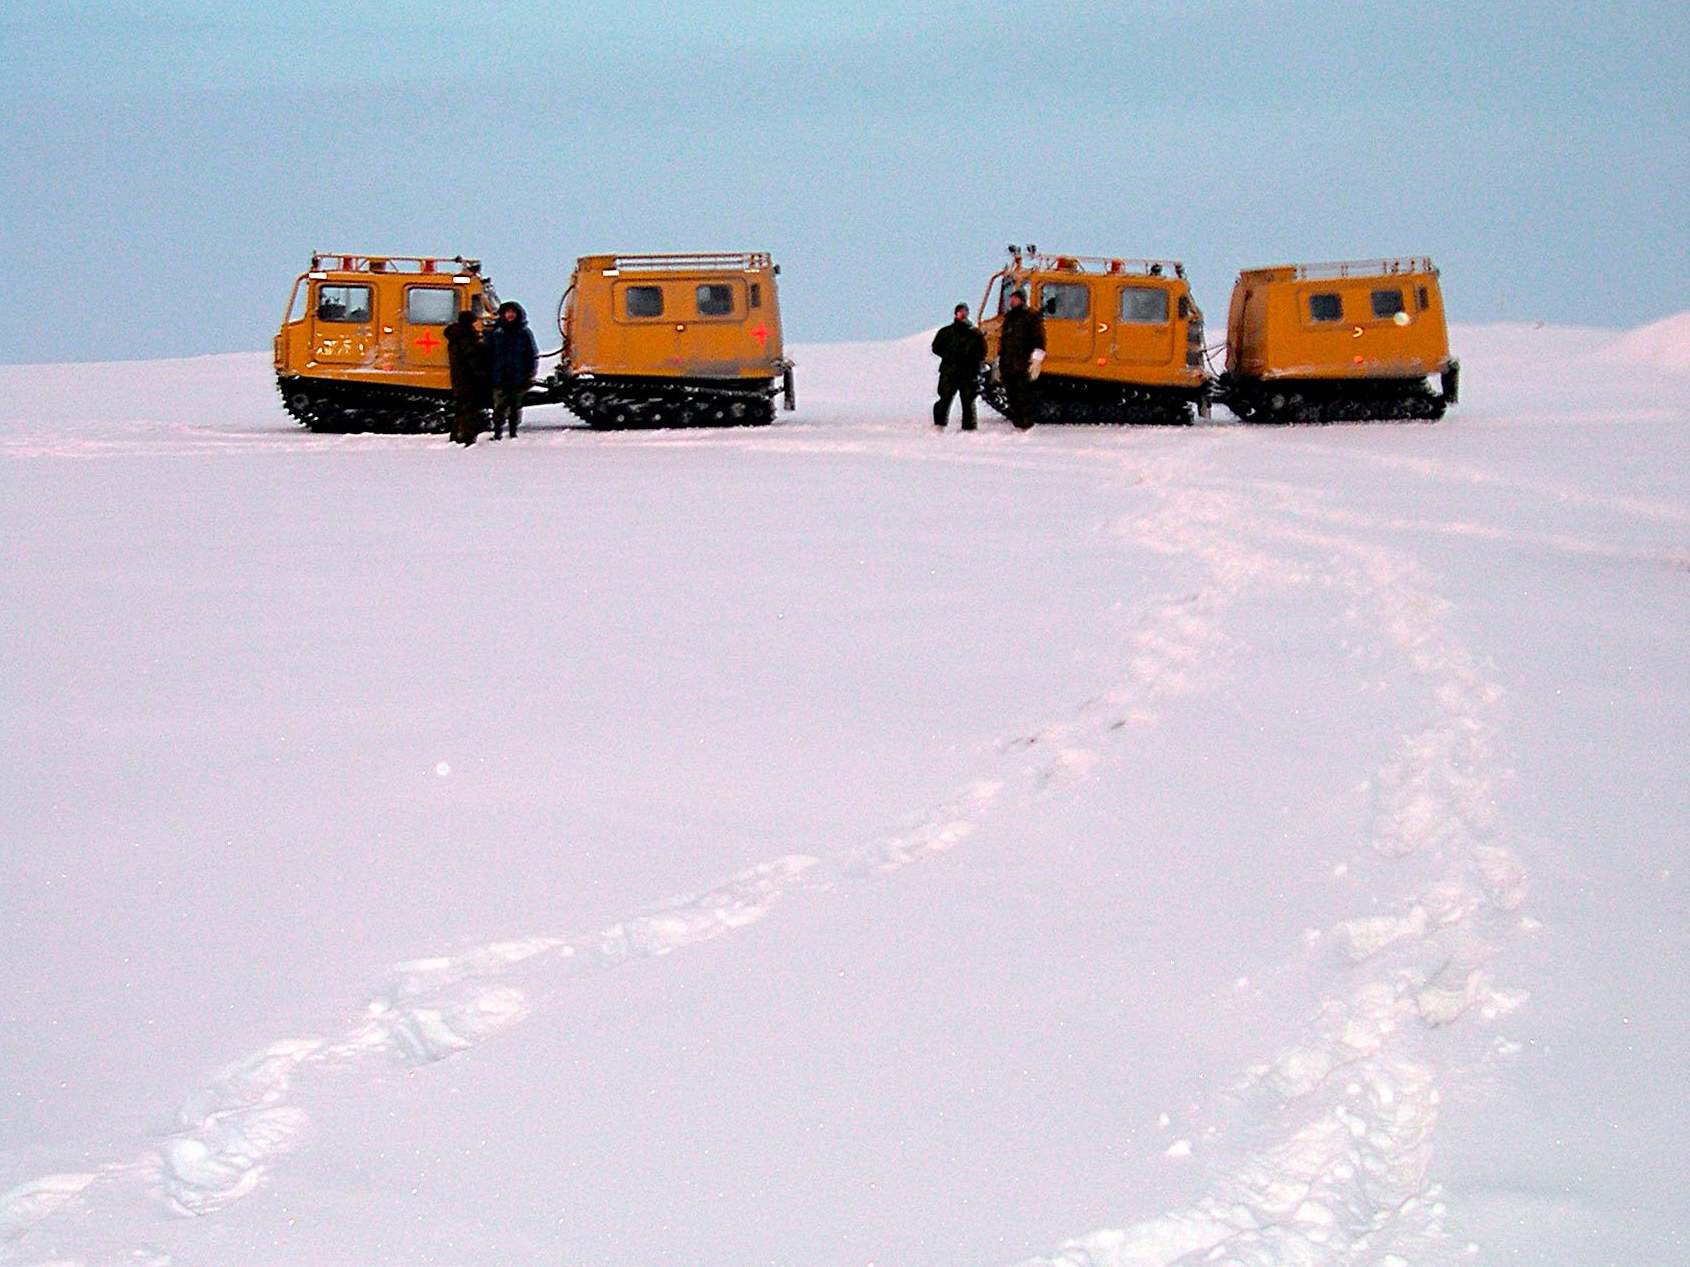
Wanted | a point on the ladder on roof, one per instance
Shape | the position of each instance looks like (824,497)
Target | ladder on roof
(695,261)
(352,262)
(1048,262)
(1365,268)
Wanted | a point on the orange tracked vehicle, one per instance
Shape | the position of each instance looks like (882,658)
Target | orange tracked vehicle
(361,346)
(1350,341)
(672,340)
(1124,338)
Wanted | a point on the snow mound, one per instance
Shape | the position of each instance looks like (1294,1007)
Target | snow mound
(1661,345)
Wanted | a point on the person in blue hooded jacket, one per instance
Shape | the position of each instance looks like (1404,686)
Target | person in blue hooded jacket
(515,359)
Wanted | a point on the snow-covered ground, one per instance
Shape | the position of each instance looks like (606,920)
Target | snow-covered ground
(843,843)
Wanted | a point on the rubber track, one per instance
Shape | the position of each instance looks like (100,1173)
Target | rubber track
(1075,400)
(326,405)
(608,404)
(1410,400)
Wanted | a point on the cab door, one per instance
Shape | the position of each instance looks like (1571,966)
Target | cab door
(342,322)
(1067,310)
(1144,324)
(645,333)
(991,317)
(425,312)
(714,343)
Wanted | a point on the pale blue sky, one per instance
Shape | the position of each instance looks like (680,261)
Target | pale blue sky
(168,167)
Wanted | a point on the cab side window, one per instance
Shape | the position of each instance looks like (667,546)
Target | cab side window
(430,305)
(1144,305)
(1425,299)
(1328,306)
(1065,301)
(644,301)
(1387,303)
(343,303)
(715,300)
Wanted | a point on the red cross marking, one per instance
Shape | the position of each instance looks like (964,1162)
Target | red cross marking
(428,342)
(761,334)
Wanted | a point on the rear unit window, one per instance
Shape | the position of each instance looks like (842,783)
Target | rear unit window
(1387,303)
(1326,307)
(756,294)
(715,300)
(430,305)
(1065,301)
(1144,305)
(645,301)
(1425,299)
(343,303)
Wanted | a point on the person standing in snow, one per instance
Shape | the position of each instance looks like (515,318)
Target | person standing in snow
(961,350)
(1021,351)
(466,357)
(516,364)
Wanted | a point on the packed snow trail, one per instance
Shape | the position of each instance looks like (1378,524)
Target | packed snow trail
(1326,1153)
(1348,1114)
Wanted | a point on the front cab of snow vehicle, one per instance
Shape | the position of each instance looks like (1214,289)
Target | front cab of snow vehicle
(672,340)
(1124,338)
(1351,341)
(362,344)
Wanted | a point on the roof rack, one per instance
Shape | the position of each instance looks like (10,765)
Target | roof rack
(711,261)
(352,262)
(1050,262)
(1361,268)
